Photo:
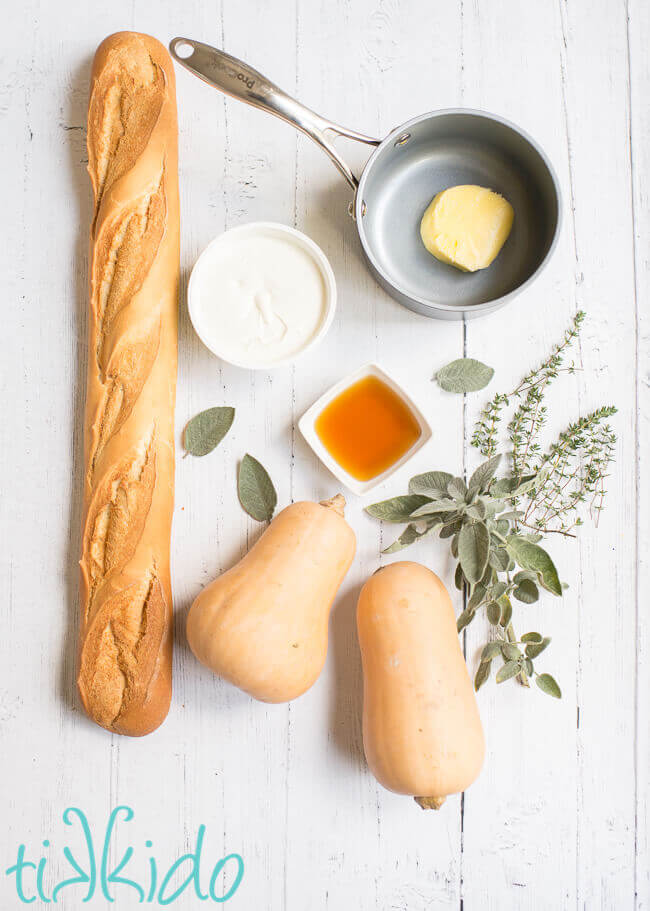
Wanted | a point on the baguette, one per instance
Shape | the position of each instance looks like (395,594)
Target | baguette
(126,608)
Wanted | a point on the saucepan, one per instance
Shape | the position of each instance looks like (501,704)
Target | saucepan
(404,172)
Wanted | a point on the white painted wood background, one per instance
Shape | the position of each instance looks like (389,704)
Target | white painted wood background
(558,818)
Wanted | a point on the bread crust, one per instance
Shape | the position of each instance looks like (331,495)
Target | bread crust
(126,605)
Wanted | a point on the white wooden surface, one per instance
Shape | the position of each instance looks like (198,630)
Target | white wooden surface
(558,818)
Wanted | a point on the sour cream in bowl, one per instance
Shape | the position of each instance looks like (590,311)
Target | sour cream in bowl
(261,294)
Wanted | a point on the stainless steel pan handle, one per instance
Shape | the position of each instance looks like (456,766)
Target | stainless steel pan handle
(241,81)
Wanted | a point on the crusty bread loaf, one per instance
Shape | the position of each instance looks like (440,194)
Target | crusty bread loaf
(126,608)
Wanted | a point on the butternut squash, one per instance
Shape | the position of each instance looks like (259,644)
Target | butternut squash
(422,732)
(263,624)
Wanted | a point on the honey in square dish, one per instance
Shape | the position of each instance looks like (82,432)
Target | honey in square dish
(367,428)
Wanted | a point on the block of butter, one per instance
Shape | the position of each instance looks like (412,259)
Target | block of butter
(466,226)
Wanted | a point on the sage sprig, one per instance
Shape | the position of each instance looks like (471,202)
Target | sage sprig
(497,562)
(495,524)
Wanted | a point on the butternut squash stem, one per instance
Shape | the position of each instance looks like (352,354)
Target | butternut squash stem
(430,803)
(336,503)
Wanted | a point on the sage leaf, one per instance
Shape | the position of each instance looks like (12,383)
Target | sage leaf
(473,550)
(433,521)
(491,650)
(534,538)
(534,649)
(502,488)
(477,510)
(456,488)
(489,576)
(506,610)
(494,612)
(528,664)
(450,529)
(256,491)
(431,483)
(499,559)
(533,557)
(206,430)
(465,618)
(547,685)
(431,507)
(509,488)
(398,509)
(498,589)
(484,474)
(510,651)
(491,506)
(526,592)
(482,674)
(531,637)
(454,547)
(524,574)
(464,375)
(478,593)
(410,534)
(459,579)
(508,670)
(526,484)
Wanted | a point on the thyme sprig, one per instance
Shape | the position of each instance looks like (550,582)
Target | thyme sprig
(495,524)
(576,465)
(530,415)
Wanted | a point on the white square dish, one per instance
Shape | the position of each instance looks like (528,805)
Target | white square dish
(307,427)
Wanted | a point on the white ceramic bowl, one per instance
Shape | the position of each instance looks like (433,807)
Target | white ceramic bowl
(307,244)
(308,429)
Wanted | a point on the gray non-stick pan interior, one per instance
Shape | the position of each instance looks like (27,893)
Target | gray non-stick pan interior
(442,150)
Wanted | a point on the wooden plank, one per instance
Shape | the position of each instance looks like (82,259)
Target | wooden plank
(520,822)
(596,67)
(364,847)
(242,164)
(638,26)
(46,196)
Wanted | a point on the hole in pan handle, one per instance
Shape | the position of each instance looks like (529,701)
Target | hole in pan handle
(241,81)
